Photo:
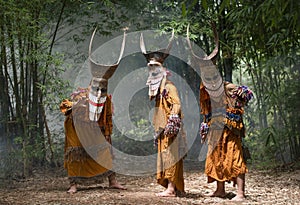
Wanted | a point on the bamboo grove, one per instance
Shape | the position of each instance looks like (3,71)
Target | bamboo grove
(259,46)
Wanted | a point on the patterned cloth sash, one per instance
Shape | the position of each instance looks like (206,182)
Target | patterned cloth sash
(231,116)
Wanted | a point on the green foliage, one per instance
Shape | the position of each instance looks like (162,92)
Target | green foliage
(267,39)
(31,72)
(11,164)
(260,37)
(138,141)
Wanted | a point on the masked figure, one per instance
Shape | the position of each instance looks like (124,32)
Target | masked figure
(88,128)
(167,121)
(222,127)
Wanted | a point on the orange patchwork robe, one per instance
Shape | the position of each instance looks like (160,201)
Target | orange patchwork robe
(225,160)
(87,154)
(171,150)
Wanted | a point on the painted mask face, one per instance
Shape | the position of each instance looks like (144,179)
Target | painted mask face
(97,97)
(156,74)
(212,80)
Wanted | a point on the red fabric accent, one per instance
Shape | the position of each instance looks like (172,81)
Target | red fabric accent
(96,104)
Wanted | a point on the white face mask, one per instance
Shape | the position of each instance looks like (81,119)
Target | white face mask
(97,98)
(156,73)
(96,104)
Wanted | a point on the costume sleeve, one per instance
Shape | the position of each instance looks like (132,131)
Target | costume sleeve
(108,122)
(205,105)
(239,95)
(244,94)
(65,106)
(173,99)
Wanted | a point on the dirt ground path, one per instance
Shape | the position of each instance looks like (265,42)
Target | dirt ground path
(262,187)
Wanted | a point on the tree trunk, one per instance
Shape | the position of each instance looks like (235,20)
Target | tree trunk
(4,97)
(227,54)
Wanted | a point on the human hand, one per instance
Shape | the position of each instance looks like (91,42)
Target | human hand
(203,131)
(65,105)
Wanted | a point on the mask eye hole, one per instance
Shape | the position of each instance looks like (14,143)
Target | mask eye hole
(95,88)
(208,78)
(103,90)
(154,74)
(154,69)
(212,77)
(215,77)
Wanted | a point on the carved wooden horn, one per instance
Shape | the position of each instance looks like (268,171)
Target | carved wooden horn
(214,53)
(210,76)
(161,54)
(101,70)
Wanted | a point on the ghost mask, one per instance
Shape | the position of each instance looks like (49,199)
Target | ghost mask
(99,83)
(210,76)
(155,60)
(156,74)
(97,97)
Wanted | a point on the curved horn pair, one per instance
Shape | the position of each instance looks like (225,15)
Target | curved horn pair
(101,70)
(159,55)
(210,76)
(214,53)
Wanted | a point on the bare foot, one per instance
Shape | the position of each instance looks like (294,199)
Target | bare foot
(238,198)
(116,185)
(166,193)
(218,194)
(72,190)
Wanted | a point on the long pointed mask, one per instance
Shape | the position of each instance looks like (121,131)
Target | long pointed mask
(98,87)
(155,60)
(213,83)
(210,76)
